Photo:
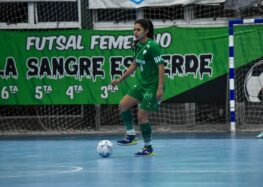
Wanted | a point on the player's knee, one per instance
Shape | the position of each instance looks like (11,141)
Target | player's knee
(122,107)
(142,117)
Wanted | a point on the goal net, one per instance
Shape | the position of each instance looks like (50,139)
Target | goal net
(249,74)
(48,15)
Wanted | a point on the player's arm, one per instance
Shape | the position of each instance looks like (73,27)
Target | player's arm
(159,93)
(156,55)
(129,71)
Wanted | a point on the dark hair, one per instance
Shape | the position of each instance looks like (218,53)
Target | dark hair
(147,25)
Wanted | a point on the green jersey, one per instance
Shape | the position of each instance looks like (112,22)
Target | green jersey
(147,56)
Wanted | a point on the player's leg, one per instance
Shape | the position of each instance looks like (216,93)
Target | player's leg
(127,102)
(126,115)
(146,129)
(149,104)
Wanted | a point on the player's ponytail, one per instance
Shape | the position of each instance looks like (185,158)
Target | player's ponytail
(150,33)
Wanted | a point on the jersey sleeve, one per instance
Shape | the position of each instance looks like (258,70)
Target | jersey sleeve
(155,54)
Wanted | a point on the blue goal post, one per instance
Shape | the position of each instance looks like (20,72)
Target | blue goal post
(231,60)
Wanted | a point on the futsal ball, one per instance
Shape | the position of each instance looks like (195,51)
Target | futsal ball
(104,148)
(254,83)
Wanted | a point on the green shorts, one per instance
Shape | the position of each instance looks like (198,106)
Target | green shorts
(146,96)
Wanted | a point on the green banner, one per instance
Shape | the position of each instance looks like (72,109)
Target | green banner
(76,67)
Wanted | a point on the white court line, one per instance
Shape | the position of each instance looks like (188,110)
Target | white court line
(174,171)
(17,174)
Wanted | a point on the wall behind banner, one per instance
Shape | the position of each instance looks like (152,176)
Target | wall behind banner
(76,67)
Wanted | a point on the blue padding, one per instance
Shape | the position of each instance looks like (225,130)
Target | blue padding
(235,21)
(232,116)
(231,30)
(231,52)
(232,94)
(231,73)
(231,24)
(258,21)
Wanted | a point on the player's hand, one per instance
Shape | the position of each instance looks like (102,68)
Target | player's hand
(115,82)
(159,94)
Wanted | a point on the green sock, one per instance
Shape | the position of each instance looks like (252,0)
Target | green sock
(128,122)
(146,129)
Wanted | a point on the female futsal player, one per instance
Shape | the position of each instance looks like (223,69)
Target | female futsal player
(149,88)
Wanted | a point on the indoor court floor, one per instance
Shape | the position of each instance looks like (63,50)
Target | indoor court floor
(181,160)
